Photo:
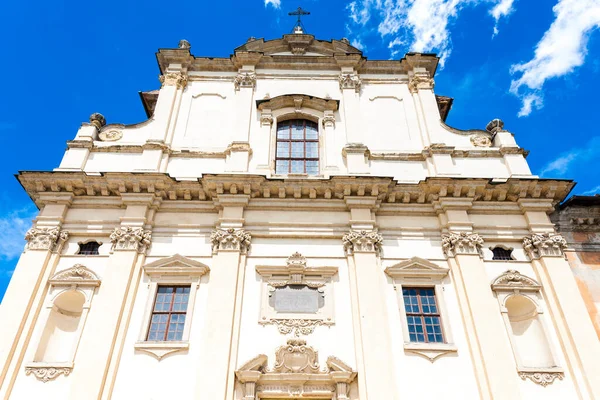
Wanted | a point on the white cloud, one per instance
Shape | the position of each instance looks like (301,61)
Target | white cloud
(592,191)
(502,9)
(13,226)
(529,102)
(567,161)
(562,48)
(274,3)
(423,25)
(358,44)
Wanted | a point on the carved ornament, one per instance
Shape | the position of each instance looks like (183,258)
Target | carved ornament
(78,275)
(328,121)
(481,141)
(512,280)
(420,80)
(495,125)
(296,357)
(266,119)
(362,242)
(350,81)
(111,135)
(47,373)
(130,238)
(244,79)
(174,79)
(97,120)
(544,244)
(297,326)
(46,238)
(230,240)
(455,243)
(542,378)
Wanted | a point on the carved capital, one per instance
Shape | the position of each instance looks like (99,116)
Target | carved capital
(420,80)
(266,119)
(174,79)
(47,373)
(328,121)
(130,238)
(544,244)
(350,81)
(455,243)
(244,79)
(46,238)
(362,242)
(542,378)
(231,240)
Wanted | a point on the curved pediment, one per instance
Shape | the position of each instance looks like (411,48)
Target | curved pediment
(298,44)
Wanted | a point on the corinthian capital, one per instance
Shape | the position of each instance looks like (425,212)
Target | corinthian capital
(173,79)
(350,81)
(420,80)
(230,239)
(45,238)
(130,238)
(544,244)
(362,242)
(454,243)
(244,79)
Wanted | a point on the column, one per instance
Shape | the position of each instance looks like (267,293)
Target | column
(493,362)
(99,345)
(369,310)
(26,291)
(566,307)
(230,245)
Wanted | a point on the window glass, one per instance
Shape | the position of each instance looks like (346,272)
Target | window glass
(297,148)
(422,315)
(168,314)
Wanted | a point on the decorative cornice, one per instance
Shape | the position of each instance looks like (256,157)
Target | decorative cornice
(455,243)
(350,81)
(542,378)
(47,373)
(295,273)
(244,79)
(230,240)
(420,80)
(544,244)
(362,242)
(512,280)
(46,238)
(174,79)
(130,238)
(77,275)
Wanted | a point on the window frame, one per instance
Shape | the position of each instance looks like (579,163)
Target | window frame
(422,315)
(171,271)
(170,312)
(304,140)
(420,273)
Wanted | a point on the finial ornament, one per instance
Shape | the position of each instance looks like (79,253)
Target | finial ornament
(454,243)
(362,242)
(495,125)
(130,238)
(97,120)
(298,27)
(184,44)
(230,240)
(46,238)
(544,244)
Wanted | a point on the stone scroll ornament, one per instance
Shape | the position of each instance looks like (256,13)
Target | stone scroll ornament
(454,243)
(230,239)
(131,238)
(46,374)
(542,378)
(544,244)
(362,242)
(45,238)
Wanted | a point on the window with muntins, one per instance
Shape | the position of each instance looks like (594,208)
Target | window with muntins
(501,254)
(422,315)
(168,314)
(297,147)
(89,249)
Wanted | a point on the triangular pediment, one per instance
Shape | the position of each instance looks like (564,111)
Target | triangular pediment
(176,265)
(416,267)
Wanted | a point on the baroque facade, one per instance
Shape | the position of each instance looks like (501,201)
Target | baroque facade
(295,221)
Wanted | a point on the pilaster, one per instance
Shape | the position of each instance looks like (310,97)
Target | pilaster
(331,147)
(350,84)
(25,294)
(230,244)
(493,365)
(244,84)
(372,341)
(102,341)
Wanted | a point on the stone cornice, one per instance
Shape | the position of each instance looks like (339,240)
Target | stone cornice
(209,186)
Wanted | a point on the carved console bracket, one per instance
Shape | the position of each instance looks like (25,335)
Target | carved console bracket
(46,239)
(47,373)
(455,243)
(542,378)
(130,238)
(230,240)
(544,244)
(362,242)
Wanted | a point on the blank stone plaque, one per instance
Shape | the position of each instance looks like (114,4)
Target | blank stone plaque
(296,299)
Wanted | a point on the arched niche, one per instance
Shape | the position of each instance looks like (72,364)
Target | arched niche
(70,297)
(520,302)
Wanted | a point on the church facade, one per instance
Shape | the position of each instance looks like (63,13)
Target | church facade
(294,222)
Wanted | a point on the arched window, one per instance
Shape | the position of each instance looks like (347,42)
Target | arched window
(502,254)
(297,147)
(89,248)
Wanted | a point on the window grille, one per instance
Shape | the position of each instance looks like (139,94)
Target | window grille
(89,249)
(501,254)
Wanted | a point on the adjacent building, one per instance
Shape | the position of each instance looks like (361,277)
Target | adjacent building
(295,221)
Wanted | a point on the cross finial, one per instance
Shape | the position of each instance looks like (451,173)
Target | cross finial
(299,28)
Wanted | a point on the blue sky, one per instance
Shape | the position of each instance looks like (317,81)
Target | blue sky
(533,63)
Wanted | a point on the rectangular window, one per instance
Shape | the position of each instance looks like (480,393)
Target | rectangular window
(168,314)
(422,315)
(297,149)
